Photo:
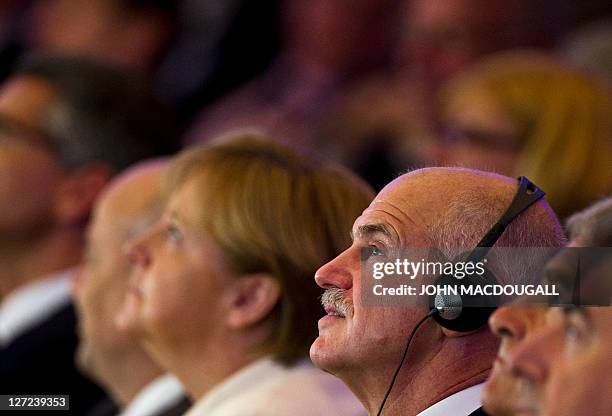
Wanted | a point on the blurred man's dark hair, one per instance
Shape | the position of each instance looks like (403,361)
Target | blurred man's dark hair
(101,114)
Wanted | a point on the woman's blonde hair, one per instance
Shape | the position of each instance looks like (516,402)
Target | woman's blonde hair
(565,117)
(274,211)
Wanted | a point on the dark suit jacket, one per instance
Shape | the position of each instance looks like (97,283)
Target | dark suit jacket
(478,412)
(41,361)
(177,409)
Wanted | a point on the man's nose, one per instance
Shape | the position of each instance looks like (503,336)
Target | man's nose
(339,272)
(509,322)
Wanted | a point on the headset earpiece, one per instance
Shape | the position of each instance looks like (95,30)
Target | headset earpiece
(465,313)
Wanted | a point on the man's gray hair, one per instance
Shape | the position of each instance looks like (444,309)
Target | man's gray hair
(470,214)
(593,225)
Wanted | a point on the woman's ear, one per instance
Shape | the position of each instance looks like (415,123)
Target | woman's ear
(250,300)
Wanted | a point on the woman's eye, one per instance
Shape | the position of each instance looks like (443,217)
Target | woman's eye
(173,233)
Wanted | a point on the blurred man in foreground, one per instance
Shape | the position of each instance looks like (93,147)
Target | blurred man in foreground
(131,203)
(535,364)
(66,125)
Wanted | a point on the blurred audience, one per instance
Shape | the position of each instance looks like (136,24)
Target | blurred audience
(220,289)
(11,12)
(449,209)
(382,124)
(133,34)
(66,125)
(324,44)
(536,361)
(590,47)
(525,113)
(440,38)
(128,205)
(371,128)
(222,292)
(219,47)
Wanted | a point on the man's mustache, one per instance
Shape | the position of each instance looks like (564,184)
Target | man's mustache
(336,298)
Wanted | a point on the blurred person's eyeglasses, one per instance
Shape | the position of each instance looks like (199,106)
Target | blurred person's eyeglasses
(479,137)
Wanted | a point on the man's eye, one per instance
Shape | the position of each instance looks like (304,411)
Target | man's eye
(574,336)
(576,331)
(372,251)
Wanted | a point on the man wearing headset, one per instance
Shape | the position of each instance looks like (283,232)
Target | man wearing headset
(430,208)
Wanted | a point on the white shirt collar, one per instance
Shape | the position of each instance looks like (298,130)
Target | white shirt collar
(158,395)
(32,303)
(461,403)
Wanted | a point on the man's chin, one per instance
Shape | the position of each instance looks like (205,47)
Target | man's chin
(84,358)
(325,356)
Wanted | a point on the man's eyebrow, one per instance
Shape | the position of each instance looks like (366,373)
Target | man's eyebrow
(368,230)
(578,310)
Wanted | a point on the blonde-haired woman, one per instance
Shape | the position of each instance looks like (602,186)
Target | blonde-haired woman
(223,292)
(524,113)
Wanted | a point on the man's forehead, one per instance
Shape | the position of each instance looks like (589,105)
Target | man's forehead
(123,202)
(389,220)
(134,191)
(413,201)
(398,193)
(407,193)
(102,225)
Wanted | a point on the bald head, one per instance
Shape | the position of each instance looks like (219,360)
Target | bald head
(132,200)
(130,204)
(455,207)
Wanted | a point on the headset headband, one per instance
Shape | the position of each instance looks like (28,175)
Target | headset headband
(527,194)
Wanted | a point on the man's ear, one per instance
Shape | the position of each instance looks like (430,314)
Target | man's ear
(250,300)
(77,193)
